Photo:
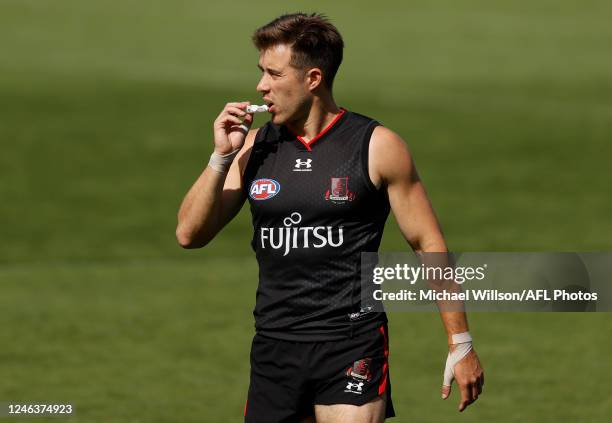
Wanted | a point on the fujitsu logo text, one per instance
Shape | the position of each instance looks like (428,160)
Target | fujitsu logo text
(289,237)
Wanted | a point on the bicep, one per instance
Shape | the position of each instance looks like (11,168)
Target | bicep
(233,197)
(232,200)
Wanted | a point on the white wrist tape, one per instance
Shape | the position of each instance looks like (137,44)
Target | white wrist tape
(460,338)
(221,163)
(463,342)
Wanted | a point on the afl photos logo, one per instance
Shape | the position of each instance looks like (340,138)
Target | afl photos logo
(263,189)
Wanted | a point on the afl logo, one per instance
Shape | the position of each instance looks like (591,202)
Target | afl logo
(263,189)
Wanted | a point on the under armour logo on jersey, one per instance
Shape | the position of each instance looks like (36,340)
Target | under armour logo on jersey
(302,165)
(353,387)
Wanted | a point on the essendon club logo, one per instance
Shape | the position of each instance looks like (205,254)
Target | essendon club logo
(360,369)
(339,191)
(263,189)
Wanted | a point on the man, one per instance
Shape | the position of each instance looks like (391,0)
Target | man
(320,181)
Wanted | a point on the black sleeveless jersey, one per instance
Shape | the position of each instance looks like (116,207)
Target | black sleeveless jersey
(314,211)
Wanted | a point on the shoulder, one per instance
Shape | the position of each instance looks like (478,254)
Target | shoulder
(251,135)
(389,155)
(387,143)
(243,155)
(266,132)
(249,141)
(358,117)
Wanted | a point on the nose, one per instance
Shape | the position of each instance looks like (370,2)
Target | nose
(263,86)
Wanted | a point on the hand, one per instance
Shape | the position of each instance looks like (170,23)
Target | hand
(470,379)
(229,127)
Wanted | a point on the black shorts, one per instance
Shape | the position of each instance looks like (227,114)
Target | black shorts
(289,378)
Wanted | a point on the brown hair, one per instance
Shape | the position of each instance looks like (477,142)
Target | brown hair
(314,42)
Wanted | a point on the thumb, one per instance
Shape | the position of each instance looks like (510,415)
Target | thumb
(448,379)
(446,390)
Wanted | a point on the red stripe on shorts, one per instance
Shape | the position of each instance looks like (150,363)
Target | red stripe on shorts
(383,383)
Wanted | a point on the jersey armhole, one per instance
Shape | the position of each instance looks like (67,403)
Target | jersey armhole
(260,136)
(365,155)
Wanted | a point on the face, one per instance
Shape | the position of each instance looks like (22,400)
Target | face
(283,87)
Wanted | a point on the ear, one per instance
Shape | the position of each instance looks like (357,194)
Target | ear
(314,78)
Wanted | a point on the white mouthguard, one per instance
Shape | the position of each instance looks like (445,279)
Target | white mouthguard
(253,108)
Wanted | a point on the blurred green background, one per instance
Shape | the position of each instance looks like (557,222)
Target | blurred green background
(105,121)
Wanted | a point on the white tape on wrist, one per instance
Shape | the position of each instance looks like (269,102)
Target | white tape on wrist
(463,342)
(460,338)
(222,162)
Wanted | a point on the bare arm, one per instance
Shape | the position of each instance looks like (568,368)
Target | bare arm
(391,166)
(215,198)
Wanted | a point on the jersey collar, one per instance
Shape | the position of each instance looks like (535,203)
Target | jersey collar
(308,144)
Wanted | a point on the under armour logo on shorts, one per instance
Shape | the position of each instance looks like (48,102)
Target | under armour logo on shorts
(353,387)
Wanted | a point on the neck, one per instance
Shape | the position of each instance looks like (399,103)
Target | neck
(317,117)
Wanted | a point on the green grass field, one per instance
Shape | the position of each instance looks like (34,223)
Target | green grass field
(105,121)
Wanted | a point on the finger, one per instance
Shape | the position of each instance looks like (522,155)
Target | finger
(239,104)
(235,111)
(446,390)
(475,391)
(248,119)
(223,116)
(466,397)
(464,404)
(244,127)
(227,118)
(241,128)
